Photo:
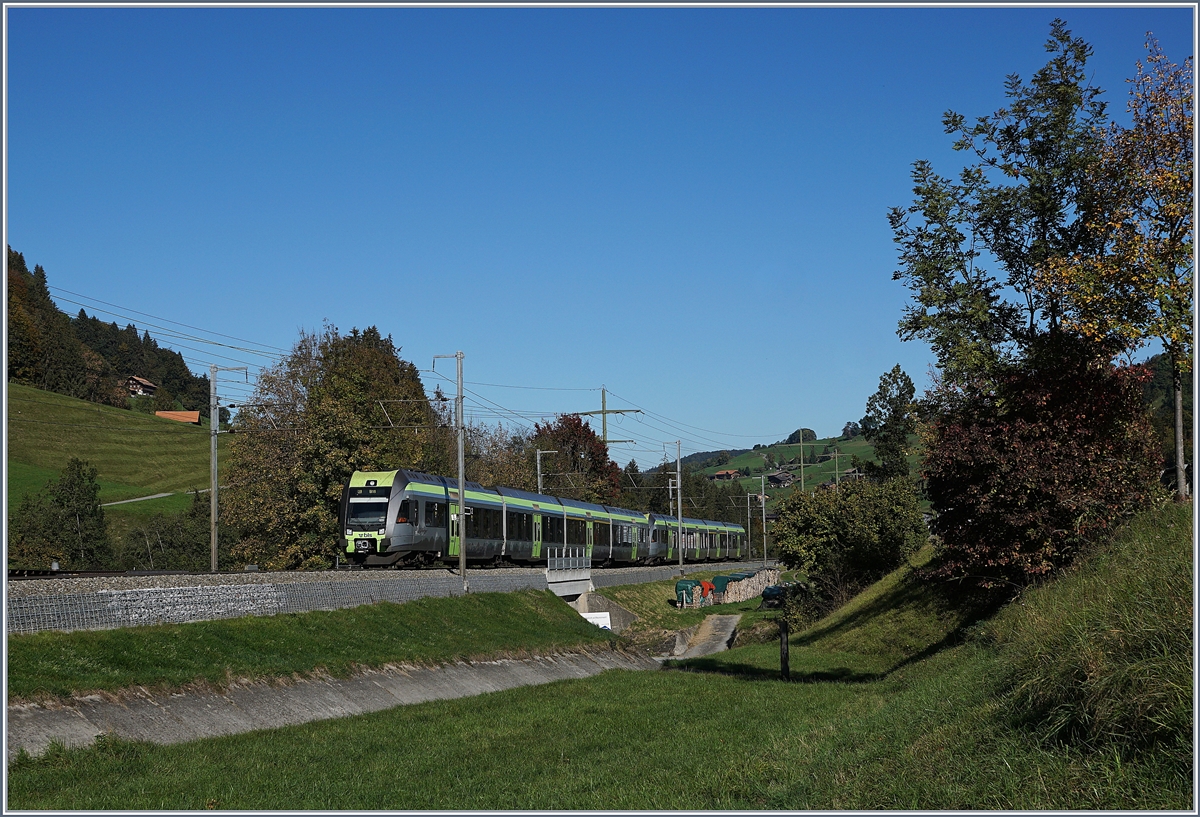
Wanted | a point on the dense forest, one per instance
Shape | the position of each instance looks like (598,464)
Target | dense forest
(86,357)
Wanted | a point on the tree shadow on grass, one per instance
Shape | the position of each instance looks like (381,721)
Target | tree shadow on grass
(911,594)
(756,673)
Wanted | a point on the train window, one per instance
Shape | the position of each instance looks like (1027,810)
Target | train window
(576,532)
(553,530)
(520,526)
(367,514)
(435,514)
(600,534)
(408,512)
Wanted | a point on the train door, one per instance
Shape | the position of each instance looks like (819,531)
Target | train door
(590,538)
(455,523)
(537,536)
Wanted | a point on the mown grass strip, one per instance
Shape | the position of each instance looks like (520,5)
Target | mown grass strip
(135,454)
(426,631)
(924,738)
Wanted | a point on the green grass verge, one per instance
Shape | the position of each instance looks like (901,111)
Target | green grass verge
(923,738)
(426,631)
(1104,657)
(895,622)
(26,479)
(135,454)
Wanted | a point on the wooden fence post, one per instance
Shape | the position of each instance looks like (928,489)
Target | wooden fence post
(785,668)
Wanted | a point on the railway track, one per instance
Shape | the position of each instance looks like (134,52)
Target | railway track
(22,573)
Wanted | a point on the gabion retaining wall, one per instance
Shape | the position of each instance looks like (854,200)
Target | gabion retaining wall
(107,609)
(103,609)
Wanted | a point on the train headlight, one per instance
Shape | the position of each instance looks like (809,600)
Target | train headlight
(349,532)
(382,531)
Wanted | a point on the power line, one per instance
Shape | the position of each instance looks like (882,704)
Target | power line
(669,421)
(533,388)
(179,430)
(170,333)
(168,320)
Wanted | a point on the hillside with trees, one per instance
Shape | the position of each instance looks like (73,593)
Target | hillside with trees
(85,357)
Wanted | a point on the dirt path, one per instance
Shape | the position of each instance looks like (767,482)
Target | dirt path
(715,634)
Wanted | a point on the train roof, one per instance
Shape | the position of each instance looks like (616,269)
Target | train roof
(615,511)
(656,518)
(517,493)
(585,506)
(492,495)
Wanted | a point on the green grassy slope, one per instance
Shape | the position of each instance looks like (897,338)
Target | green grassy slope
(814,474)
(425,631)
(898,701)
(134,454)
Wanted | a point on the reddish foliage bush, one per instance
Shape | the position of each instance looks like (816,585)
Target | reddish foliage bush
(1026,473)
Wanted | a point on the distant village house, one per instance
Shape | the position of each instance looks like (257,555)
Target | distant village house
(140,386)
(731,473)
(780,479)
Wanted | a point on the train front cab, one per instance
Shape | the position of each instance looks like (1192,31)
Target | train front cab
(393,517)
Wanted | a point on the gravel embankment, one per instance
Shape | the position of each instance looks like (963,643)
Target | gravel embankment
(28,588)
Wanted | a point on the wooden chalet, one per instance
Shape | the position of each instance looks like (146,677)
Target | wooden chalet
(140,386)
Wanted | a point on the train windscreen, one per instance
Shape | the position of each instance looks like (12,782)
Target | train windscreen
(367,508)
(368,514)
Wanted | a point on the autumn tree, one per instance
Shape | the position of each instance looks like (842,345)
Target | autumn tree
(336,404)
(498,455)
(1133,279)
(1037,441)
(1019,204)
(1056,453)
(580,468)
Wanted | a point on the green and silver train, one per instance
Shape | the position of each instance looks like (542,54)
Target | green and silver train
(402,518)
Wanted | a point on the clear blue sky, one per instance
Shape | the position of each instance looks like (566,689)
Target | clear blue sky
(684,205)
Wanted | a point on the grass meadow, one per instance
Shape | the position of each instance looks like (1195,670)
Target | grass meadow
(134,454)
(427,631)
(901,700)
